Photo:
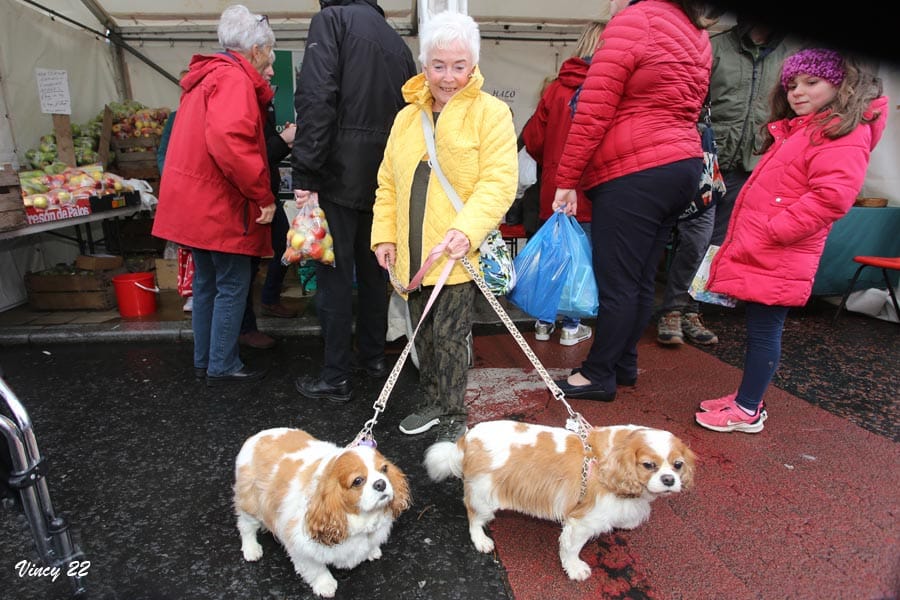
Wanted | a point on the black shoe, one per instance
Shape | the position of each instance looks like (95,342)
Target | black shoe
(377,368)
(620,380)
(244,374)
(317,388)
(590,391)
(199,373)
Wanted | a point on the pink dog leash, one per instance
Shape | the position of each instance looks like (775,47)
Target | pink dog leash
(365,436)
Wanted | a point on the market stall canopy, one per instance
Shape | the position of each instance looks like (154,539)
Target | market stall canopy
(179,20)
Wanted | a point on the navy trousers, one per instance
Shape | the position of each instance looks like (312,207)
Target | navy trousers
(631,222)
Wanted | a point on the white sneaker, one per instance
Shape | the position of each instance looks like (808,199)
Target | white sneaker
(570,337)
(543,331)
(189,304)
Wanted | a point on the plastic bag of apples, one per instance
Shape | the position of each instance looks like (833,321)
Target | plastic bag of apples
(308,237)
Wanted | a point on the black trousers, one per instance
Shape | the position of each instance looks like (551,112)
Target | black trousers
(631,222)
(351,231)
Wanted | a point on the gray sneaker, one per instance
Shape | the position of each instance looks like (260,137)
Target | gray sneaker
(570,337)
(668,329)
(451,428)
(420,421)
(543,331)
(695,331)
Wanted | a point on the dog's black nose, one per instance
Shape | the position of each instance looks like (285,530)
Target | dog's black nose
(379,485)
(668,480)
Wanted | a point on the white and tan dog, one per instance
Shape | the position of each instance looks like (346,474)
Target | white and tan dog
(327,505)
(537,470)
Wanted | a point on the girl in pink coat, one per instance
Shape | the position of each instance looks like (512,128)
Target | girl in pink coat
(827,116)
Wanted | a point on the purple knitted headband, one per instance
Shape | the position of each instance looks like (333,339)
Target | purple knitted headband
(818,62)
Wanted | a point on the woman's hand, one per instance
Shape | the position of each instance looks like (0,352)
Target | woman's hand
(386,253)
(288,134)
(266,214)
(456,244)
(565,200)
(303,196)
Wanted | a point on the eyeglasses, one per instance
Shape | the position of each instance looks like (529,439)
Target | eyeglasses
(263,19)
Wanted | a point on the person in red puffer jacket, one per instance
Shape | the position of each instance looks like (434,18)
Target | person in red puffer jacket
(215,196)
(827,116)
(545,135)
(634,149)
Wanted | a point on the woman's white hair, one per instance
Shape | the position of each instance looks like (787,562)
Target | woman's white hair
(444,30)
(239,29)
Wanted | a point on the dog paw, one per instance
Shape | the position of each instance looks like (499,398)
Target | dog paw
(325,586)
(577,570)
(482,542)
(252,551)
(374,554)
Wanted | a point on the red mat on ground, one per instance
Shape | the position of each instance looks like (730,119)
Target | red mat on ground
(805,509)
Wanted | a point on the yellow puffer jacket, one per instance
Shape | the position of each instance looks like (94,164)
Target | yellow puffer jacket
(475,140)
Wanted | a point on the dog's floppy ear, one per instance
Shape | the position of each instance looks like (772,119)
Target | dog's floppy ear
(326,517)
(618,469)
(687,472)
(402,498)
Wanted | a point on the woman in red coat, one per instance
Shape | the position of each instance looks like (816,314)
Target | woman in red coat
(634,148)
(215,196)
(827,116)
(545,135)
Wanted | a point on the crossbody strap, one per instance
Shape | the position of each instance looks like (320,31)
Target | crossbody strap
(435,165)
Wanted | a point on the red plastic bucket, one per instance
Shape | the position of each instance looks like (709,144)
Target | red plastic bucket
(135,294)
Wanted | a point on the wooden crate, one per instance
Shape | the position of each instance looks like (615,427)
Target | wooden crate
(12,210)
(136,164)
(76,290)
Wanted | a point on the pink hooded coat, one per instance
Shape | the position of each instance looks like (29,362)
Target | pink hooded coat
(785,211)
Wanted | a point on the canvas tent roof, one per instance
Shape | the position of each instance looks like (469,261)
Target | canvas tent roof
(528,41)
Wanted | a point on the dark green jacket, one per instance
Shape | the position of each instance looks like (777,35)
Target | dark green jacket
(742,78)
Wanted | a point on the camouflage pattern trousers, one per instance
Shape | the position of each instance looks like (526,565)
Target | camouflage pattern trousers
(442,346)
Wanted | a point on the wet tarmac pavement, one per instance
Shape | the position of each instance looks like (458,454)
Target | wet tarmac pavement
(141,462)
(142,459)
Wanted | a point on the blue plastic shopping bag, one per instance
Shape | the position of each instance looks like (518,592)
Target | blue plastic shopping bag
(541,271)
(579,297)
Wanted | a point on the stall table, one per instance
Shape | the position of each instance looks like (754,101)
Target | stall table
(85,240)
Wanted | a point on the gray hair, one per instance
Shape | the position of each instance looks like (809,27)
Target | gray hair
(239,29)
(446,28)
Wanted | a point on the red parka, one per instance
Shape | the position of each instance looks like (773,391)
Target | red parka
(545,133)
(639,105)
(216,176)
(783,214)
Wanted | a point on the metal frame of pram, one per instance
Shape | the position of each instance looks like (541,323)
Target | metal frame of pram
(50,531)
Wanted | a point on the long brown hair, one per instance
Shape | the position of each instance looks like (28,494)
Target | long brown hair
(844,114)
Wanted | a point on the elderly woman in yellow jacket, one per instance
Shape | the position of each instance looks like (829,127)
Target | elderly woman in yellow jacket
(475,143)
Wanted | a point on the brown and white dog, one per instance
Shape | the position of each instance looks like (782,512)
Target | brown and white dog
(537,470)
(327,505)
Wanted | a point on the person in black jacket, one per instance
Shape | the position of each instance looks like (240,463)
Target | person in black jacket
(278,146)
(348,93)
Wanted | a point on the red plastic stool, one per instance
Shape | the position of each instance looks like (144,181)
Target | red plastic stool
(879,262)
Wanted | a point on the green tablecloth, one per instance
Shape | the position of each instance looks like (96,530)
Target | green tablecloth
(862,232)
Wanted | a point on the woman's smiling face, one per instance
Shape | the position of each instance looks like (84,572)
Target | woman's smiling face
(448,71)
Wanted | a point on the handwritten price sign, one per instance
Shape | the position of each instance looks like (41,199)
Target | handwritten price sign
(53,89)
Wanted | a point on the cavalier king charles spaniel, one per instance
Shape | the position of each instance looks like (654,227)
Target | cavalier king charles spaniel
(537,470)
(327,505)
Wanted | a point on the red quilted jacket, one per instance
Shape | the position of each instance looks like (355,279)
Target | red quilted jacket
(545,133)
(784,212)
(216,175)
(641,100)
